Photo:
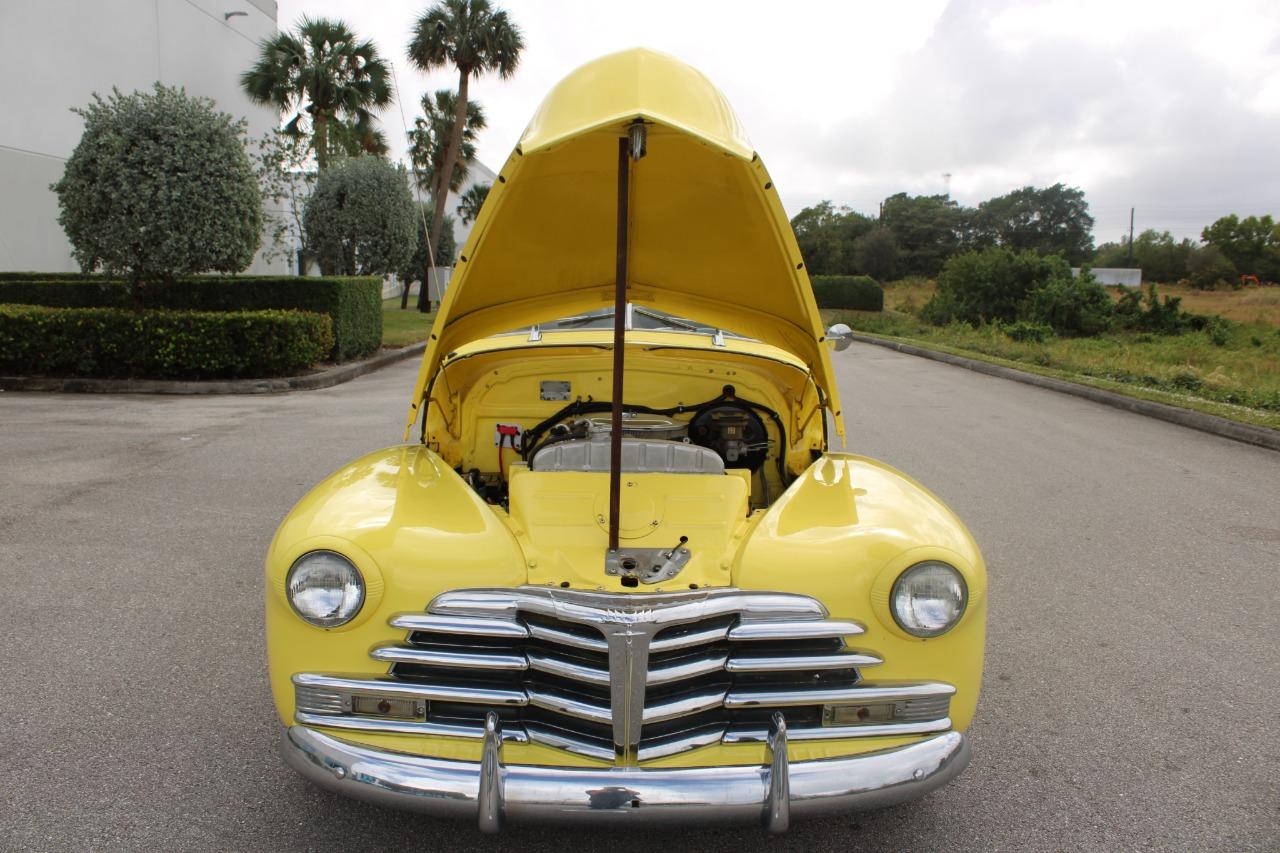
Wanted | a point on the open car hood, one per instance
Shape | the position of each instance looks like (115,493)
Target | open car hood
(709,239)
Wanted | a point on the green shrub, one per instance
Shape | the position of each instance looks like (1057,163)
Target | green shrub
(353,304)
(1071,306)
(1186,380)
(1028,333)
(992,285)
(51,276)
(118,342)
(851,292)
(1148,314)
(160,185)
(361,218)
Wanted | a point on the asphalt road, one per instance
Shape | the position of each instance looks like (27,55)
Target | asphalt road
(1133,670)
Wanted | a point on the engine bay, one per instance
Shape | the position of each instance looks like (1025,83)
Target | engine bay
(547,409)
(712,437)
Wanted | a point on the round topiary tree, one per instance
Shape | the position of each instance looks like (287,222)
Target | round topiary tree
(361,219)
(160,185)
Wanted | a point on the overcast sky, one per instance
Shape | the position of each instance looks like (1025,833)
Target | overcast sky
(1171,107)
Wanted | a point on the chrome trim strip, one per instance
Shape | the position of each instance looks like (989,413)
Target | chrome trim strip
(489,796)
(786,663)
(863,693)
(777,801)
(566,668)
(471,626)
(561,740)
(791,630)
(693,638)
(532,732)
(676,744)
(569,705)
(566,638)
(603,608)
(680,670)
(625,796)
(760,735)
(409,690)
(407,727)
(682,706)
(478,659)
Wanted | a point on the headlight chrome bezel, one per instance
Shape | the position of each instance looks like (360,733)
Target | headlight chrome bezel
(343,617)
(906,576)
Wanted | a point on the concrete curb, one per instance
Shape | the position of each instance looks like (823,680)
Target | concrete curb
(271,385)
(1255,435)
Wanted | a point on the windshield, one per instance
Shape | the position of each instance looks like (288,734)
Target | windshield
(638,318)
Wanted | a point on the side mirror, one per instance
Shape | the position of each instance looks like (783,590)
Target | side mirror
(840,336)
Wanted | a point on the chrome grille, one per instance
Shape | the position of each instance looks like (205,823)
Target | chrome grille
(629,677)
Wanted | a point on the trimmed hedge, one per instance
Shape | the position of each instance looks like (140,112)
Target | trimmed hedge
(354,305)
(119,342)
(856,292)
(50,276)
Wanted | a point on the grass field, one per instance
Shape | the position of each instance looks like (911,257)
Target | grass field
(1238,377)
(401,328)
(1251,305)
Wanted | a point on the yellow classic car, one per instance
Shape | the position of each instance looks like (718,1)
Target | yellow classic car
(615,575)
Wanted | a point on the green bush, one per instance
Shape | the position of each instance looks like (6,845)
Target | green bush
(1028,333)
(1149,314)
(160,185)
(51,276)
(361,219)
(117,342)
(852,292)
(1071,306)
(992,285)
(353,304)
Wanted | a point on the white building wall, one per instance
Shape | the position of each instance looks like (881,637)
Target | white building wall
(1111,276)
(55,53)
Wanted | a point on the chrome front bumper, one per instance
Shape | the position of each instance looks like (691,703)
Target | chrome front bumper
(491,792)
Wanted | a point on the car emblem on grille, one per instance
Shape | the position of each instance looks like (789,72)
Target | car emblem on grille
(629,617)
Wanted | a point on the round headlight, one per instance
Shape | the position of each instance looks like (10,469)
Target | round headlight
(928,599)
(325,589)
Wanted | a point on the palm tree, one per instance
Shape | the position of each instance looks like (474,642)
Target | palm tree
(328,79)
(353,140)
(473,37)
(471,202)
(432,132)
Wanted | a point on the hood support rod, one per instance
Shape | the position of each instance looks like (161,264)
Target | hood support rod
(619,342)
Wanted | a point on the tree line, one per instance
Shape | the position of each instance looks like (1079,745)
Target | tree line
(328,81)
(916,235)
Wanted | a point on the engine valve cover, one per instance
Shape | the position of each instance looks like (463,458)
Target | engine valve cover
(639,456)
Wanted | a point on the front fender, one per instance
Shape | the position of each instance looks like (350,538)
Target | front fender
(412,526)
(842,533)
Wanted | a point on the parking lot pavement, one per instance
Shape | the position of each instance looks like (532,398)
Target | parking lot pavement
(1132,664)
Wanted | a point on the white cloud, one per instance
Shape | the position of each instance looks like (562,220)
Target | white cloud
(1173,107)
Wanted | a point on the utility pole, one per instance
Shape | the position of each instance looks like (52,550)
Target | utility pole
(1131,236)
